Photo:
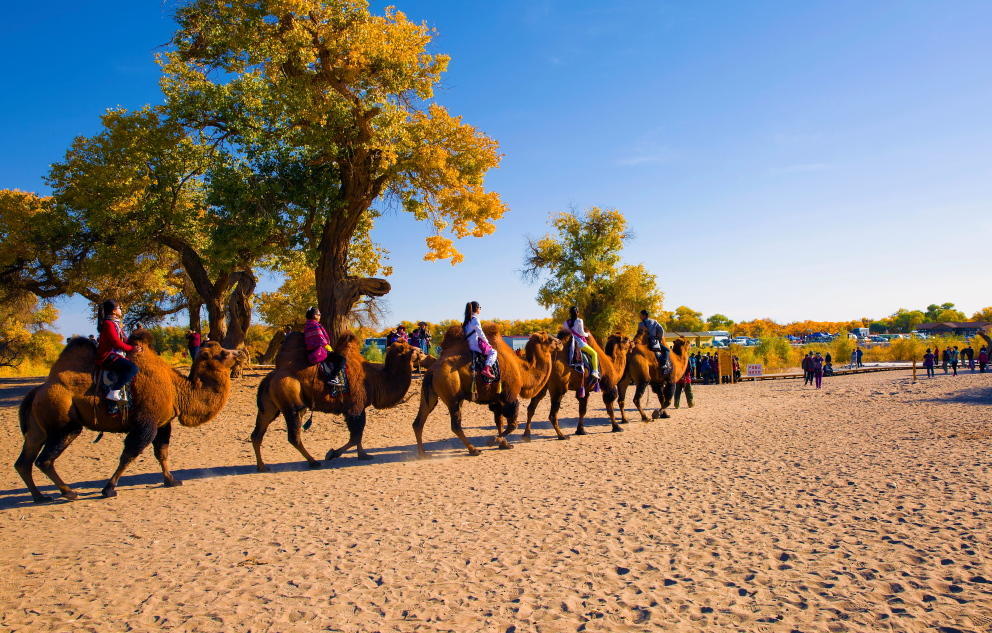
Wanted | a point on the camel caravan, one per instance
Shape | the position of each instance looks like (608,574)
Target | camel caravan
(120,385)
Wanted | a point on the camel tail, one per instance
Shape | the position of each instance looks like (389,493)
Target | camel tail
(24,410)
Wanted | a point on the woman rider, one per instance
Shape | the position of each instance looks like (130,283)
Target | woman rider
(476,338)
(110,352)
(580,337)
(319,350)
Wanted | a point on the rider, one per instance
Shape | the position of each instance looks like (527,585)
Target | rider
(476,338)
(110,351)
(580,337)
(319,350)
(655,338)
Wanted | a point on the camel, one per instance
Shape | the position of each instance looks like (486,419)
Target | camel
(54,414)
(612,363)
(450,379)
(294,385)
(642,370)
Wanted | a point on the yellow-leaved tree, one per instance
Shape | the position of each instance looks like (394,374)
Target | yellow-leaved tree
(339,103)
(580,265)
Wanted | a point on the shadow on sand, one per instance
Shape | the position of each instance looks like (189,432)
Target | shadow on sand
(981,396)
(13,390)
(441,449)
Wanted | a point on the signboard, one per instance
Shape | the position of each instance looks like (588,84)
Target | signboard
(756,370)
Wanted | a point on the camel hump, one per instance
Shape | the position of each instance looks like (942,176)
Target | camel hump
(452,336)
(79,355)
(142,336)
(345,342)
(492,332)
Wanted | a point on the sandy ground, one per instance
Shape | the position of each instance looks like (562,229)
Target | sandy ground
(767,507)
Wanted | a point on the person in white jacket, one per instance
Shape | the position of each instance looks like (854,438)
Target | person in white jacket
(476,338)
(574,326)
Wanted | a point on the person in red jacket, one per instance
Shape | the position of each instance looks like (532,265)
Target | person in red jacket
(111,349)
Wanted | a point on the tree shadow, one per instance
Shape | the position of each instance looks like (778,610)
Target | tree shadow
(13,390)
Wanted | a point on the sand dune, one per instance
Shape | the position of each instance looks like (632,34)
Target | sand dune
(768,507)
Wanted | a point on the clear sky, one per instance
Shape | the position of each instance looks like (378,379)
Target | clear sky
(822,160)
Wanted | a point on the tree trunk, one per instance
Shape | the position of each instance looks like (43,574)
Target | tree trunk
(239,309)
(216,319)
(194,304)
(337,293)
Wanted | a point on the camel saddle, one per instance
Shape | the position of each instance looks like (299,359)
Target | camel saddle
(479,363)
(577,359)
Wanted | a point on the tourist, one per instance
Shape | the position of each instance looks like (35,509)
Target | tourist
(953,359)
(654,338)
(929,360)
(476,338)
(580,341)
(704,369)
(193,343)
(818,369)
(854,358)
(807,366)
(693,362)
(421,337)
(737,369)
(684,384)
(319,350)
(945,359)
(983,359)
(860,355)
(111,350)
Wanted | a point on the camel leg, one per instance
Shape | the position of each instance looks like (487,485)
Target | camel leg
(456,427)
(510,410)
(580,428)
(161,446)
(136,441)
(531,408)
(293,429)
(56,444)
(428,400)
(356,429)
(621,396)
(34,440)
(609,395)
(638,392)
(553,414)
(267,412)
(664,393)
(497,422)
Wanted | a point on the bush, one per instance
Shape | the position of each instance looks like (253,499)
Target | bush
(372,353)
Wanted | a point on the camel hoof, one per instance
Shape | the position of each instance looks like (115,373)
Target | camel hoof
(617,429)
(505,446)
(580,431)
(332,454)
(41,499)
(172,483)
(109,492)
(314,465)
(562,437)
(664,415)
(423,456)
(474,452)
(262,468)
(71,495)
(365,456)
(623,421)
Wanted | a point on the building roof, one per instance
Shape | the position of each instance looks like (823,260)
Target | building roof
(954,325)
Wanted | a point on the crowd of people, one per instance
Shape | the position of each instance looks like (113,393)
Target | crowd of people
(950,358)
(705,368)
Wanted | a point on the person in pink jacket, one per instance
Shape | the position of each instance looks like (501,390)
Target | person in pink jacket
(319,350)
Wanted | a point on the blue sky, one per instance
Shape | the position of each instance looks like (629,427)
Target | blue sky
(823,160)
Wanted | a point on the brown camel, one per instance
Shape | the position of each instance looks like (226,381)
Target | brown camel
(612,362)
(54,414)
(294,385)
(642,370)
(451,380)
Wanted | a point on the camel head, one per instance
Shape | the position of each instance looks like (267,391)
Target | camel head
(543,340)
(680,346)
(617,343)
(213,354)
(405,353)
